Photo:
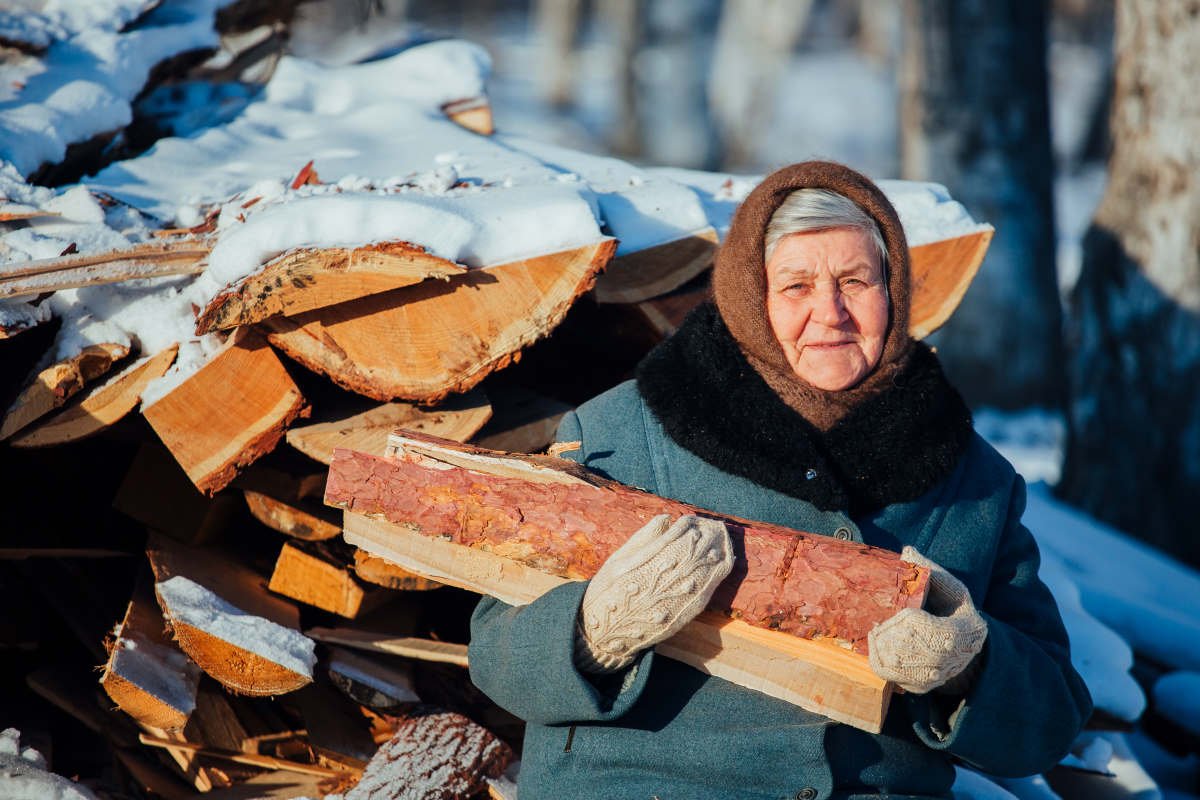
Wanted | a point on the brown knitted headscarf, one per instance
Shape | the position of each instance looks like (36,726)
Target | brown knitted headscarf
(740,288)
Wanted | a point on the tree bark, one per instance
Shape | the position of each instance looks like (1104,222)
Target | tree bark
(1134,322)
(975,117)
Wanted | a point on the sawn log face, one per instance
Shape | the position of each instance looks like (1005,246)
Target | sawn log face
(799,583)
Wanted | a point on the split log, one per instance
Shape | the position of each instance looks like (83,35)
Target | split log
(311,524)
(307,279)
(426,341)
(433,755)
(313,574)
(523,422)
(366,681)
(459,418)
(147,675)
(224,618)
(156,492)
(638,276)
(941,273)
(543,521)
(407,646)
(52,386)
(98,409)
(382,572)
(472,113)
(229,413)
(146,260)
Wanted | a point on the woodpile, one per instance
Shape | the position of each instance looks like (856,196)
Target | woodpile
(179,578)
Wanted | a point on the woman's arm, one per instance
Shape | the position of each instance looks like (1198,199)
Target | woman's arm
(1025,704)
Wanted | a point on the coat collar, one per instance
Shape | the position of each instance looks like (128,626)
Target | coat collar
(894,447)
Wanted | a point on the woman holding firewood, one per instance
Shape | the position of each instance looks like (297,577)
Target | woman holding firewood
(796,397)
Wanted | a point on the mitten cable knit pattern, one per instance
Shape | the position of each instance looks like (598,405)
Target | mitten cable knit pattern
(648,589)
(921,650)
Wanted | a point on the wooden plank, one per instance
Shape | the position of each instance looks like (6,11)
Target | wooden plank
(306,279)
(51,387)
(146,260)
(426,341)
(266,762)
(544,521)
(147,675)
(226,621)
(638,276)
(941,273)
(229,413)
(459,418)
(311,573)
(99,409)
(407,646)
(382,572)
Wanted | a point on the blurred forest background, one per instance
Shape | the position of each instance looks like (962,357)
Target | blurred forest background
(1069,125)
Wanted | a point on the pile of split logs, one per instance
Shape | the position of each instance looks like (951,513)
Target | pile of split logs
(250,632)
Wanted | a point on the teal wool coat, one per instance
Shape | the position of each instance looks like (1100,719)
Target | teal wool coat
(664,730)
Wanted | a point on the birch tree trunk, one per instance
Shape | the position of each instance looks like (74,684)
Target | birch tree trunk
(1133,456)
(975,117)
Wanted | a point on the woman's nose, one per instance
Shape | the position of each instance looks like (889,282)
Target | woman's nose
(829,307)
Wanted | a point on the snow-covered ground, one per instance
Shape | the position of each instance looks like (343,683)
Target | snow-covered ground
(391,166)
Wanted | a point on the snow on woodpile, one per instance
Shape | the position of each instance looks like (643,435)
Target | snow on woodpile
(194,605)
(24,776)
(83,83)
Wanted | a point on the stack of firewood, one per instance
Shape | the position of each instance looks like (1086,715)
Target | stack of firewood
(247,588)
(181,534)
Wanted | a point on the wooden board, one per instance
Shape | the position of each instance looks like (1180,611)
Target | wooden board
(382,572)
(51,387)
(634,277)
(146,260)
(941,273)
(230,412)
(306,279)
(459,418)
(239,596)
(426,341)
(312,574)
(407,646)
(99,409)
(147,675)
(543,521)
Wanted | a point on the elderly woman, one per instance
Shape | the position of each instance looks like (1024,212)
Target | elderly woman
(796,398)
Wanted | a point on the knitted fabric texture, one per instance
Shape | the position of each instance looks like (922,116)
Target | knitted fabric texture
(740,287)
(922,650)
(647,590)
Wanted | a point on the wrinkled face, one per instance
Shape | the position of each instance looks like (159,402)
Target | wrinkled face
(827,305)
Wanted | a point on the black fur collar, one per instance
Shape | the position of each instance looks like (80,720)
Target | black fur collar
(894,447)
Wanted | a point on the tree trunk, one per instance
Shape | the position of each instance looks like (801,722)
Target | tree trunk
(975,117)
(1134,325)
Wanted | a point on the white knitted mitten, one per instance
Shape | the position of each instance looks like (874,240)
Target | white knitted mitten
(921,649)
(649,588)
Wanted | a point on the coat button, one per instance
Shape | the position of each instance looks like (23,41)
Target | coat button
(810,474)
(843,533)
(807,793)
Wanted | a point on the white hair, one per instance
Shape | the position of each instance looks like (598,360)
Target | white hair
(808,210)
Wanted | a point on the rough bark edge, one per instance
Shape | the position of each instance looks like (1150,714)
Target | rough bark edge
(291,283)
(51,387)
(256,448)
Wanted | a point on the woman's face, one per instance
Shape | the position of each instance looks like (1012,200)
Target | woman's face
(827,305)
